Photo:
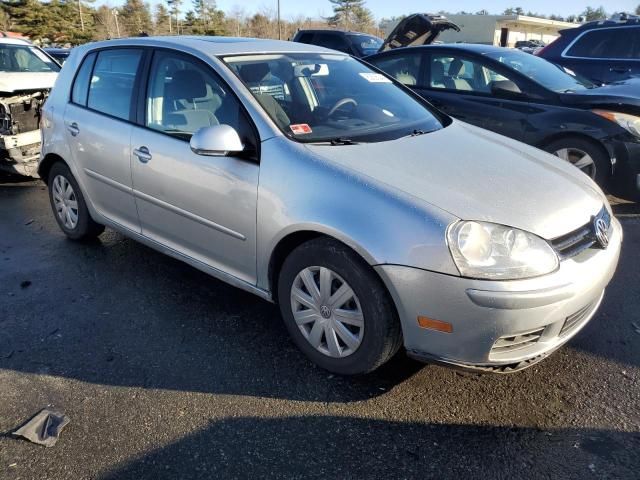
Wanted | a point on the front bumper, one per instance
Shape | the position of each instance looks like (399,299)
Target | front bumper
(626,176)
(500,325)
(19,153)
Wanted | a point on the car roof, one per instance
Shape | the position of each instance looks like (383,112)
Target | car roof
(467,47)
(216,45)
(330,30)
(14,41)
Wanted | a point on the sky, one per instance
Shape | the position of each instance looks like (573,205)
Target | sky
(388,8)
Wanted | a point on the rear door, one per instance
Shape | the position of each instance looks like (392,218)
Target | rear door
(98,123)
(201,206)
(605,55)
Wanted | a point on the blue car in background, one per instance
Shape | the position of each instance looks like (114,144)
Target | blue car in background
(603,51)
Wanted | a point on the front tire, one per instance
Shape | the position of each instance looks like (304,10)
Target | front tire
(590,158)
(68,205)
(336,308)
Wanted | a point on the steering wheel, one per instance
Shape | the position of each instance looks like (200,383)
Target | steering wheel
(340,103)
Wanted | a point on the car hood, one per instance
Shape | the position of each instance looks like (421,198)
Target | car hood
(478,175)
(619,96)
(417,29)
(13,82)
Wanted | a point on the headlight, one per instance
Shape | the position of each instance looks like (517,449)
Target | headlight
(630,123)
(490,251)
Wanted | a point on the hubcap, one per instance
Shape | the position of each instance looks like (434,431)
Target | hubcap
(327,312)
(578,158)
(65,202)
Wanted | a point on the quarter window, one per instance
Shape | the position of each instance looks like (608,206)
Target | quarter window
(615,43)
(112,82)
(81,83)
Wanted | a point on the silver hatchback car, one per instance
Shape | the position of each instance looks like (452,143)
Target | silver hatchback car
(312,180)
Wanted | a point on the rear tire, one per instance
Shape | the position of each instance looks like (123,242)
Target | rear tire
(68,205)
(596,164)
(346,303)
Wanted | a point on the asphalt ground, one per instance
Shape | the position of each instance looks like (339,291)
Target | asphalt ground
(168,373)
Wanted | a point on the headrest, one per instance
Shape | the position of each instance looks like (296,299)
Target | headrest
(456,68)
(254,72)
(187,85)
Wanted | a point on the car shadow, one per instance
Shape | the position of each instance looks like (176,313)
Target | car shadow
(115,312)
(347,447)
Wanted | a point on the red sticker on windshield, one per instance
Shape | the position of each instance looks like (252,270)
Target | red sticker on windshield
(300,128)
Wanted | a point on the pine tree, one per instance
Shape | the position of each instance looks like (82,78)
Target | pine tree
(161,20)
(350,14)
(135,17)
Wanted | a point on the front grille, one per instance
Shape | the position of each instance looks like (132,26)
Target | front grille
(573,243)
(509,344)
(572,321)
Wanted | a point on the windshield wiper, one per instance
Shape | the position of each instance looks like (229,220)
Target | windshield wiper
(342,141)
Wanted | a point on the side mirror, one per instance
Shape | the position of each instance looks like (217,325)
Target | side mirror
(505,88)
(216,141)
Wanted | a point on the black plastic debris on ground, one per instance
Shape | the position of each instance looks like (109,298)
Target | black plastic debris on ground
(44,428)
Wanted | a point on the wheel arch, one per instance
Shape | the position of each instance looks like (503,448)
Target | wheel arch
(582,136)
(46,163)
(294,239)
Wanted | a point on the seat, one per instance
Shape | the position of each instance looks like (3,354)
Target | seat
(403,74)
(456,70)
(182,111)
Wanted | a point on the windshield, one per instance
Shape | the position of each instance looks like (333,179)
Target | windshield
(25,58)
(541,71)
(365,44)
(322,97)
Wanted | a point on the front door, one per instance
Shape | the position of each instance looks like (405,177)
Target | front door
(98,129)
(200,206)
(462,87)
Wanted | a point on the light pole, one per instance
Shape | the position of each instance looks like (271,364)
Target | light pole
(114,12)
(279,29)
(80,13)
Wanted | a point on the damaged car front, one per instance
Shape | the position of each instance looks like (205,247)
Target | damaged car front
(27,74)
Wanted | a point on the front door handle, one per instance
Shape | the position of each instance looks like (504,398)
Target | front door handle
(620,70)
(73,129)
(142,153)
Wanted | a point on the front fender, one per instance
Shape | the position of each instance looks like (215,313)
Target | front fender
(301,192)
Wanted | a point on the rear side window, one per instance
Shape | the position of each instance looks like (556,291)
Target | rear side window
(81,83)
(405,68)
(306,38)
(333,41)
(112,82)
(612,43)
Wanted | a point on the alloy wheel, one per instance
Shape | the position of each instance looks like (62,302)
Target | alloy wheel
(578,158)
(327,312)
(65,202)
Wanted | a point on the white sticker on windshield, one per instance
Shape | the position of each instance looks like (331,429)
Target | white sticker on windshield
(374,77)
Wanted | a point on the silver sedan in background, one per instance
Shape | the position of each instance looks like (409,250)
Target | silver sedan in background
(301,175)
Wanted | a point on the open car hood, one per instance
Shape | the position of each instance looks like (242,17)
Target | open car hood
(417,29)
(16,82)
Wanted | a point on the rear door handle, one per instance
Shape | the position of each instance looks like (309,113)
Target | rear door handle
(73,129)
(142,153)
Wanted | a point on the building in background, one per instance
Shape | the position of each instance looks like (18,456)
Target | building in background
(503,30)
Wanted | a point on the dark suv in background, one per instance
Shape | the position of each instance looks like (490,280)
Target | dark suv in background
(603,51)
(353,43)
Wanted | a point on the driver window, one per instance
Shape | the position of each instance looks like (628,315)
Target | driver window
(184,96)
(461,74)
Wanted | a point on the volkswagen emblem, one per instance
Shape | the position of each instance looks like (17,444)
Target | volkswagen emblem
(325,311)
(601,231)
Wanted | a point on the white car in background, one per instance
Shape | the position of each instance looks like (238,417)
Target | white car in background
(27,74)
